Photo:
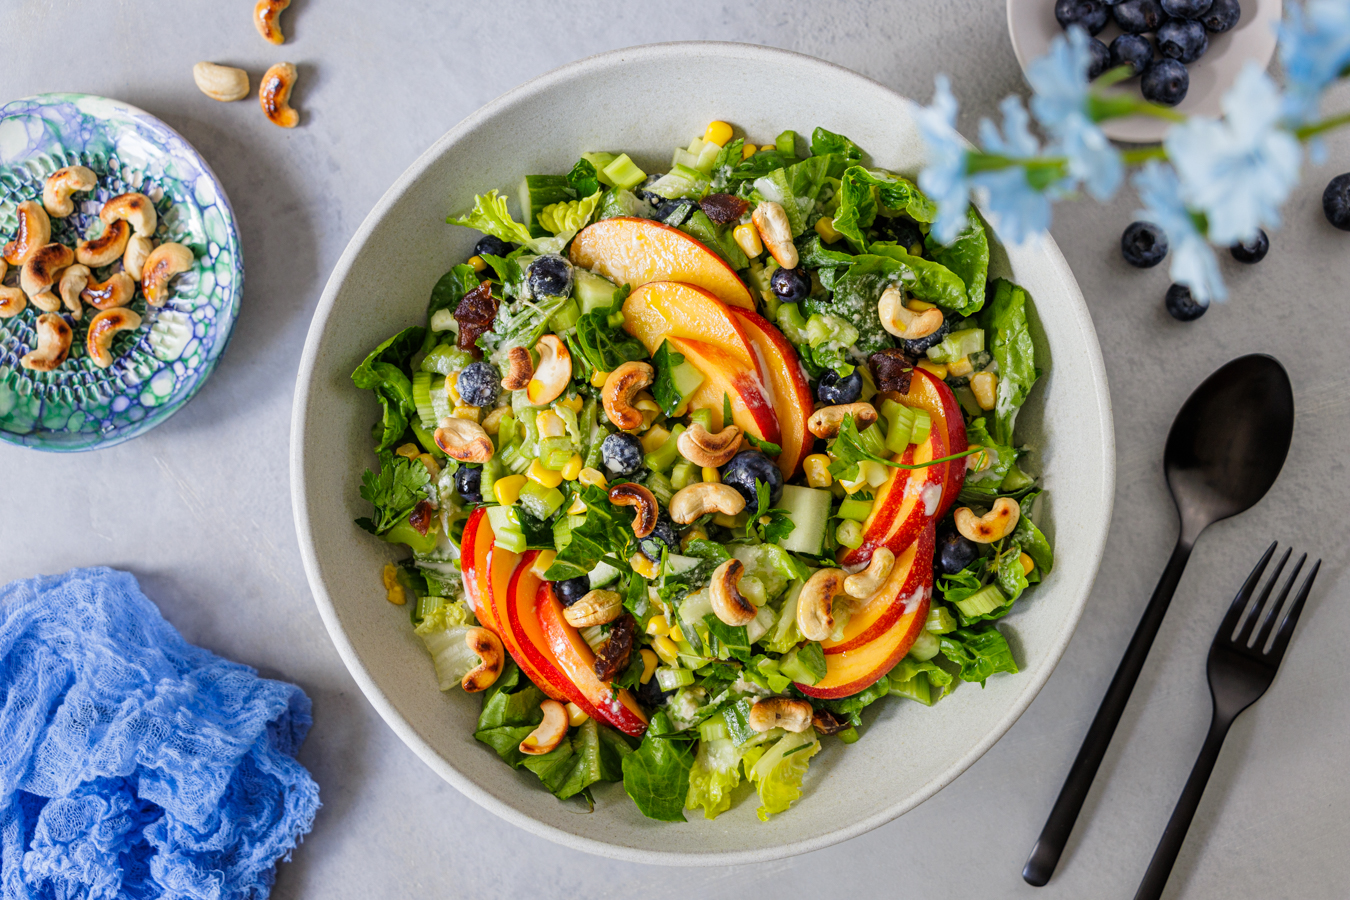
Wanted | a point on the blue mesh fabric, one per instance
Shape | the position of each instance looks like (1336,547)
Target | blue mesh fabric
(133,764)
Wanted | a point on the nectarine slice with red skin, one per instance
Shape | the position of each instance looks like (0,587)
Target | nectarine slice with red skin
(727,375)
(931,394)
(910,579)
(791,393)
(531,650)
(637,251)
(904,503)
(577,662)
(664,309)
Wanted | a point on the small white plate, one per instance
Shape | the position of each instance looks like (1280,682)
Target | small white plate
(1032,26)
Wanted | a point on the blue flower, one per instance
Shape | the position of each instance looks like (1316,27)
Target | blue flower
(1020,210)
(944,178)
(1016,140)
(1061,101)
(1314,49)
(1193,262)
(1240,169)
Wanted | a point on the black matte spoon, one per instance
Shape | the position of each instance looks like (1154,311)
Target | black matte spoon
(1226,448)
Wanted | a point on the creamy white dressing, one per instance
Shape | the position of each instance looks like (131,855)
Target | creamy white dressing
(931,496)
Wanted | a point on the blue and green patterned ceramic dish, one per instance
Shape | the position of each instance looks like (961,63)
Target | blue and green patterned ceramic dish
(159,366)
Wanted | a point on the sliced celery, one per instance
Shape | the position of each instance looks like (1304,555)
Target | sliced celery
(539,501)
(446,358)
(982,602)
(857,510)
(786,143)
(916,688)
(661,487)
(506,530)
(664,456)
(702,417)
(926,646)
(668,679)
(871,440)
(958,344)
(849,735)
(1016,479)
(492,470)
(923,426)
(849,534)
(600,161)
(684,474)
(421,391)
(624,173)
(940,621)
(900,425)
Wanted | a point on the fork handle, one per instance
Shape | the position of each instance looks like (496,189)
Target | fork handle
(1160,867)
(1055,835)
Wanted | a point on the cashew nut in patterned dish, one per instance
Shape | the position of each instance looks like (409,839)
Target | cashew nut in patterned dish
(163,263)
(274,92)
(464,440)
(815,604)
(53,344)
(702,497)
(117,290)
(994,525)
(549,733)
(621,386)
(703,448)
(635,495)
(780,712)
(135,209)
(826,421)
(105,249)
(905,323)
(58,187)
(861,585)
(519,369)
(137,252)
(223,83)
(74,280)
(725,590)
(12,299)
(553,372)
(39,275)
(35,230)
(267,19)
(491,657)
(103,327)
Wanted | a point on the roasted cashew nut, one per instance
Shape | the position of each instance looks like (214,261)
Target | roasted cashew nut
(267,19)
(464,440)
(519,369)
(826,421)
(105,249)
(12,299)
(549,733)
(553,372)
(58,187)
(994,525)
(775,231)
(703,448)
(815,604)
(39,275)
(595,608)
(103,327)
(903,322)
(861,585)
(35,230)
(780,712)
(116,291)
(163,263)
(703,497)
(135,209)
(53,336)
(273,93)
(74,280)
(223,83)
(629,494)
(727,601)
(488,647)
(621,386)
(134,257)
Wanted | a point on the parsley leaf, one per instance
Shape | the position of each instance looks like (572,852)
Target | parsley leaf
(769,448)
(583,178)
(393,490)
(778,525)
(602,533)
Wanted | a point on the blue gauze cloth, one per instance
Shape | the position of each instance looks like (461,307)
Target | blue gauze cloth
(133,764)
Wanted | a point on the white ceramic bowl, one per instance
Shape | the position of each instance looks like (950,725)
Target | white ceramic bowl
(645,101)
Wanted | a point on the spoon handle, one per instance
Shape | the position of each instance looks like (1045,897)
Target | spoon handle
(1050,845)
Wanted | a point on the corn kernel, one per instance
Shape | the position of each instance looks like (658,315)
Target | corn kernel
(644,566)
(577,508)
(507,490)
(961,367)
(655,437)
(550,424)
(727,521)
(938,369)
(393,590)
(1027,563)
(493,423)
(465,412)
(920,305)
(747,238)
(573,467)
(408,451)
(676,634)
(825,228)
(478,263)
(649,661)
(984,385)
(433,468)
(657,626)
(543,561)
(647,405)
(575,715)
(592,478)
(598,379)
(573,403)
(748,150)
(693,534)
(977,462)
(711,475)
(717,133)
(547,477)
(666,649)
(817,467)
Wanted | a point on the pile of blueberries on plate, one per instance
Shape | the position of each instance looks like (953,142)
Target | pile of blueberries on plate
(1180,28)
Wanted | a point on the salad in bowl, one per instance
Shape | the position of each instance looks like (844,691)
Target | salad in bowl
(695,466)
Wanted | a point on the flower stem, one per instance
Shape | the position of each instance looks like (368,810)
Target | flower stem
(1313,129)
(1142,155)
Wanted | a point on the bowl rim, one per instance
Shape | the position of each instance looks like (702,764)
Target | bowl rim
(384,706)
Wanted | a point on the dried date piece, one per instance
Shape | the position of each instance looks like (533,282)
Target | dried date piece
(827,722)
(892,370)
(723,208)
(618,650)
(421,516)
(475,314)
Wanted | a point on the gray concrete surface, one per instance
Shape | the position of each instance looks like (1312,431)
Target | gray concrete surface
(200,510)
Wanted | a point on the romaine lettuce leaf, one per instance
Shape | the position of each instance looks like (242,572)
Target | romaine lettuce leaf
(823,142)
(984,485)
(772,565)
(926,279)
(383,372)
(778,773)
(443,634)
(715,772)
(864,193)
(510,712)
(490,216)
(855,298)
(451,288)
(1027,536)
(1006,320)
(593,753)
(602,533)
(656,776)
(967,257)
(979,652)
(916,680)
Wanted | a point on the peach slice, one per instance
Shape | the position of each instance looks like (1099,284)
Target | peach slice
(664,309)
(908,500)
(727,375)
(637,251)
(931,394)
(791,394)
(910,579)
(527,633)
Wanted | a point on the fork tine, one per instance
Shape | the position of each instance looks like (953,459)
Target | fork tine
(1268,622)
(1244,635)
(1244,594)
(1291,617)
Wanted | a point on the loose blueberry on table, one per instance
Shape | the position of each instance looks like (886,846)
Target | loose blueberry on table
(1252,251)
(1143,244)
(1336,201)
(1182,306)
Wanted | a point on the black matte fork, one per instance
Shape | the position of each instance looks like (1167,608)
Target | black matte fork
(1241,668)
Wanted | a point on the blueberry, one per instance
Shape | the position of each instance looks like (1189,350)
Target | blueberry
(676,212)
(550,276)
(469,483)
(1101,58)
(1184,40)
(1131,50)
(904,231)
(644,194)
(650,694)
(1089,14)
(1165,81)
(492,245)
(1186,9)
(572,590)
(1182,306)
(790,285)
(1143,244)
(833,390)
(920,346)
(663,534)
(955,552)
(1252,251)
(479,384)
(750,466)
(622,453)
(1336,202)
(1138,16)
(1222,16)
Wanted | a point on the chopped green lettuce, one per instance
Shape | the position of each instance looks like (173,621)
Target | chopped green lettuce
(384,372)
(925,279)
(1006,320)
(979,652)
(450,289)
(967,257)
(490,216)
(443,631)
(715,773)
(824,142)
(778,771)
(656,776)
